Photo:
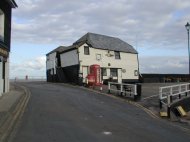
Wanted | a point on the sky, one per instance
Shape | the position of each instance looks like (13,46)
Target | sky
(155,28)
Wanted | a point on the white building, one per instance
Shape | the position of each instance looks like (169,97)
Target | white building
(5,42)
(118,60)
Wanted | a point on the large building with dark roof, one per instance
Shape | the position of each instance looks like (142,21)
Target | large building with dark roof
(5,42)
(118,60)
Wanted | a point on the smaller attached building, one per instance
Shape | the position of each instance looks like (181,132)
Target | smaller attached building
(118,60)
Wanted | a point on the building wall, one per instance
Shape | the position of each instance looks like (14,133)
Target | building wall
(6,8)
(1,78)
(128,63)
(5,43)
(69,58)
(4,76)
(76,64)
(51,61)
(7,84)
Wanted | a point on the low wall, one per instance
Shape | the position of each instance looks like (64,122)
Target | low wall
(162,78)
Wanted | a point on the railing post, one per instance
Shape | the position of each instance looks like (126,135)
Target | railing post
(121,89)
(170,95)
(168,105)
(109,86)
(186,88)
(180,91)
(135,92)
(160,97)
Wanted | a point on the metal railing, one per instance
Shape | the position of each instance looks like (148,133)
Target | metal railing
(168,94)
(123,88)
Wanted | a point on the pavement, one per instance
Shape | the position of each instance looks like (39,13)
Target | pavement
(10,110)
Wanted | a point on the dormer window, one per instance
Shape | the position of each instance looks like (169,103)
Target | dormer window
(117,55)
(2,25)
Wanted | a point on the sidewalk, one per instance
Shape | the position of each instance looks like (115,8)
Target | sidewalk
(8,103)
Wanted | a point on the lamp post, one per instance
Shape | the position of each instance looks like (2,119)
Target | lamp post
(187,26)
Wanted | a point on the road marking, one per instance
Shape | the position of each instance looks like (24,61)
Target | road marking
(149,97)
(100,116)
(107,133)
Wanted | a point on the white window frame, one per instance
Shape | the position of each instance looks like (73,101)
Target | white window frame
(98,57)
(2,25)
(136,73)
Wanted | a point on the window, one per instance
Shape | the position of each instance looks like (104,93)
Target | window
(98,57)
(113,72)
(2,24)
(117,55)
(104,71)
(136,73)
(86,50)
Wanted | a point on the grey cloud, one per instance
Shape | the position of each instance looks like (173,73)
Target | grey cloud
(156,23)
(161,64)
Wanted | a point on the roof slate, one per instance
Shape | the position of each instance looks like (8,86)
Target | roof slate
(106,42)
(61,49)
(100,42)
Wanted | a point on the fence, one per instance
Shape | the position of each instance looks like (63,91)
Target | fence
(168,94)
(123,88)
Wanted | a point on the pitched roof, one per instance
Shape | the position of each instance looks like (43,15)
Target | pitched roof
(106,42)
(61,49)
(58,49)
(12,3)
(100,42)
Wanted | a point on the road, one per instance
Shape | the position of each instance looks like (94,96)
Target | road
(62,113)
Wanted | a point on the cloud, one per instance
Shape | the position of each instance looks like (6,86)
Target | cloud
(153,25)
(161,64)
(32,67)
(157,23)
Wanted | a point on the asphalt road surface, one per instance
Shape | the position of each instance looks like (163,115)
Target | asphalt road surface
(62,113)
